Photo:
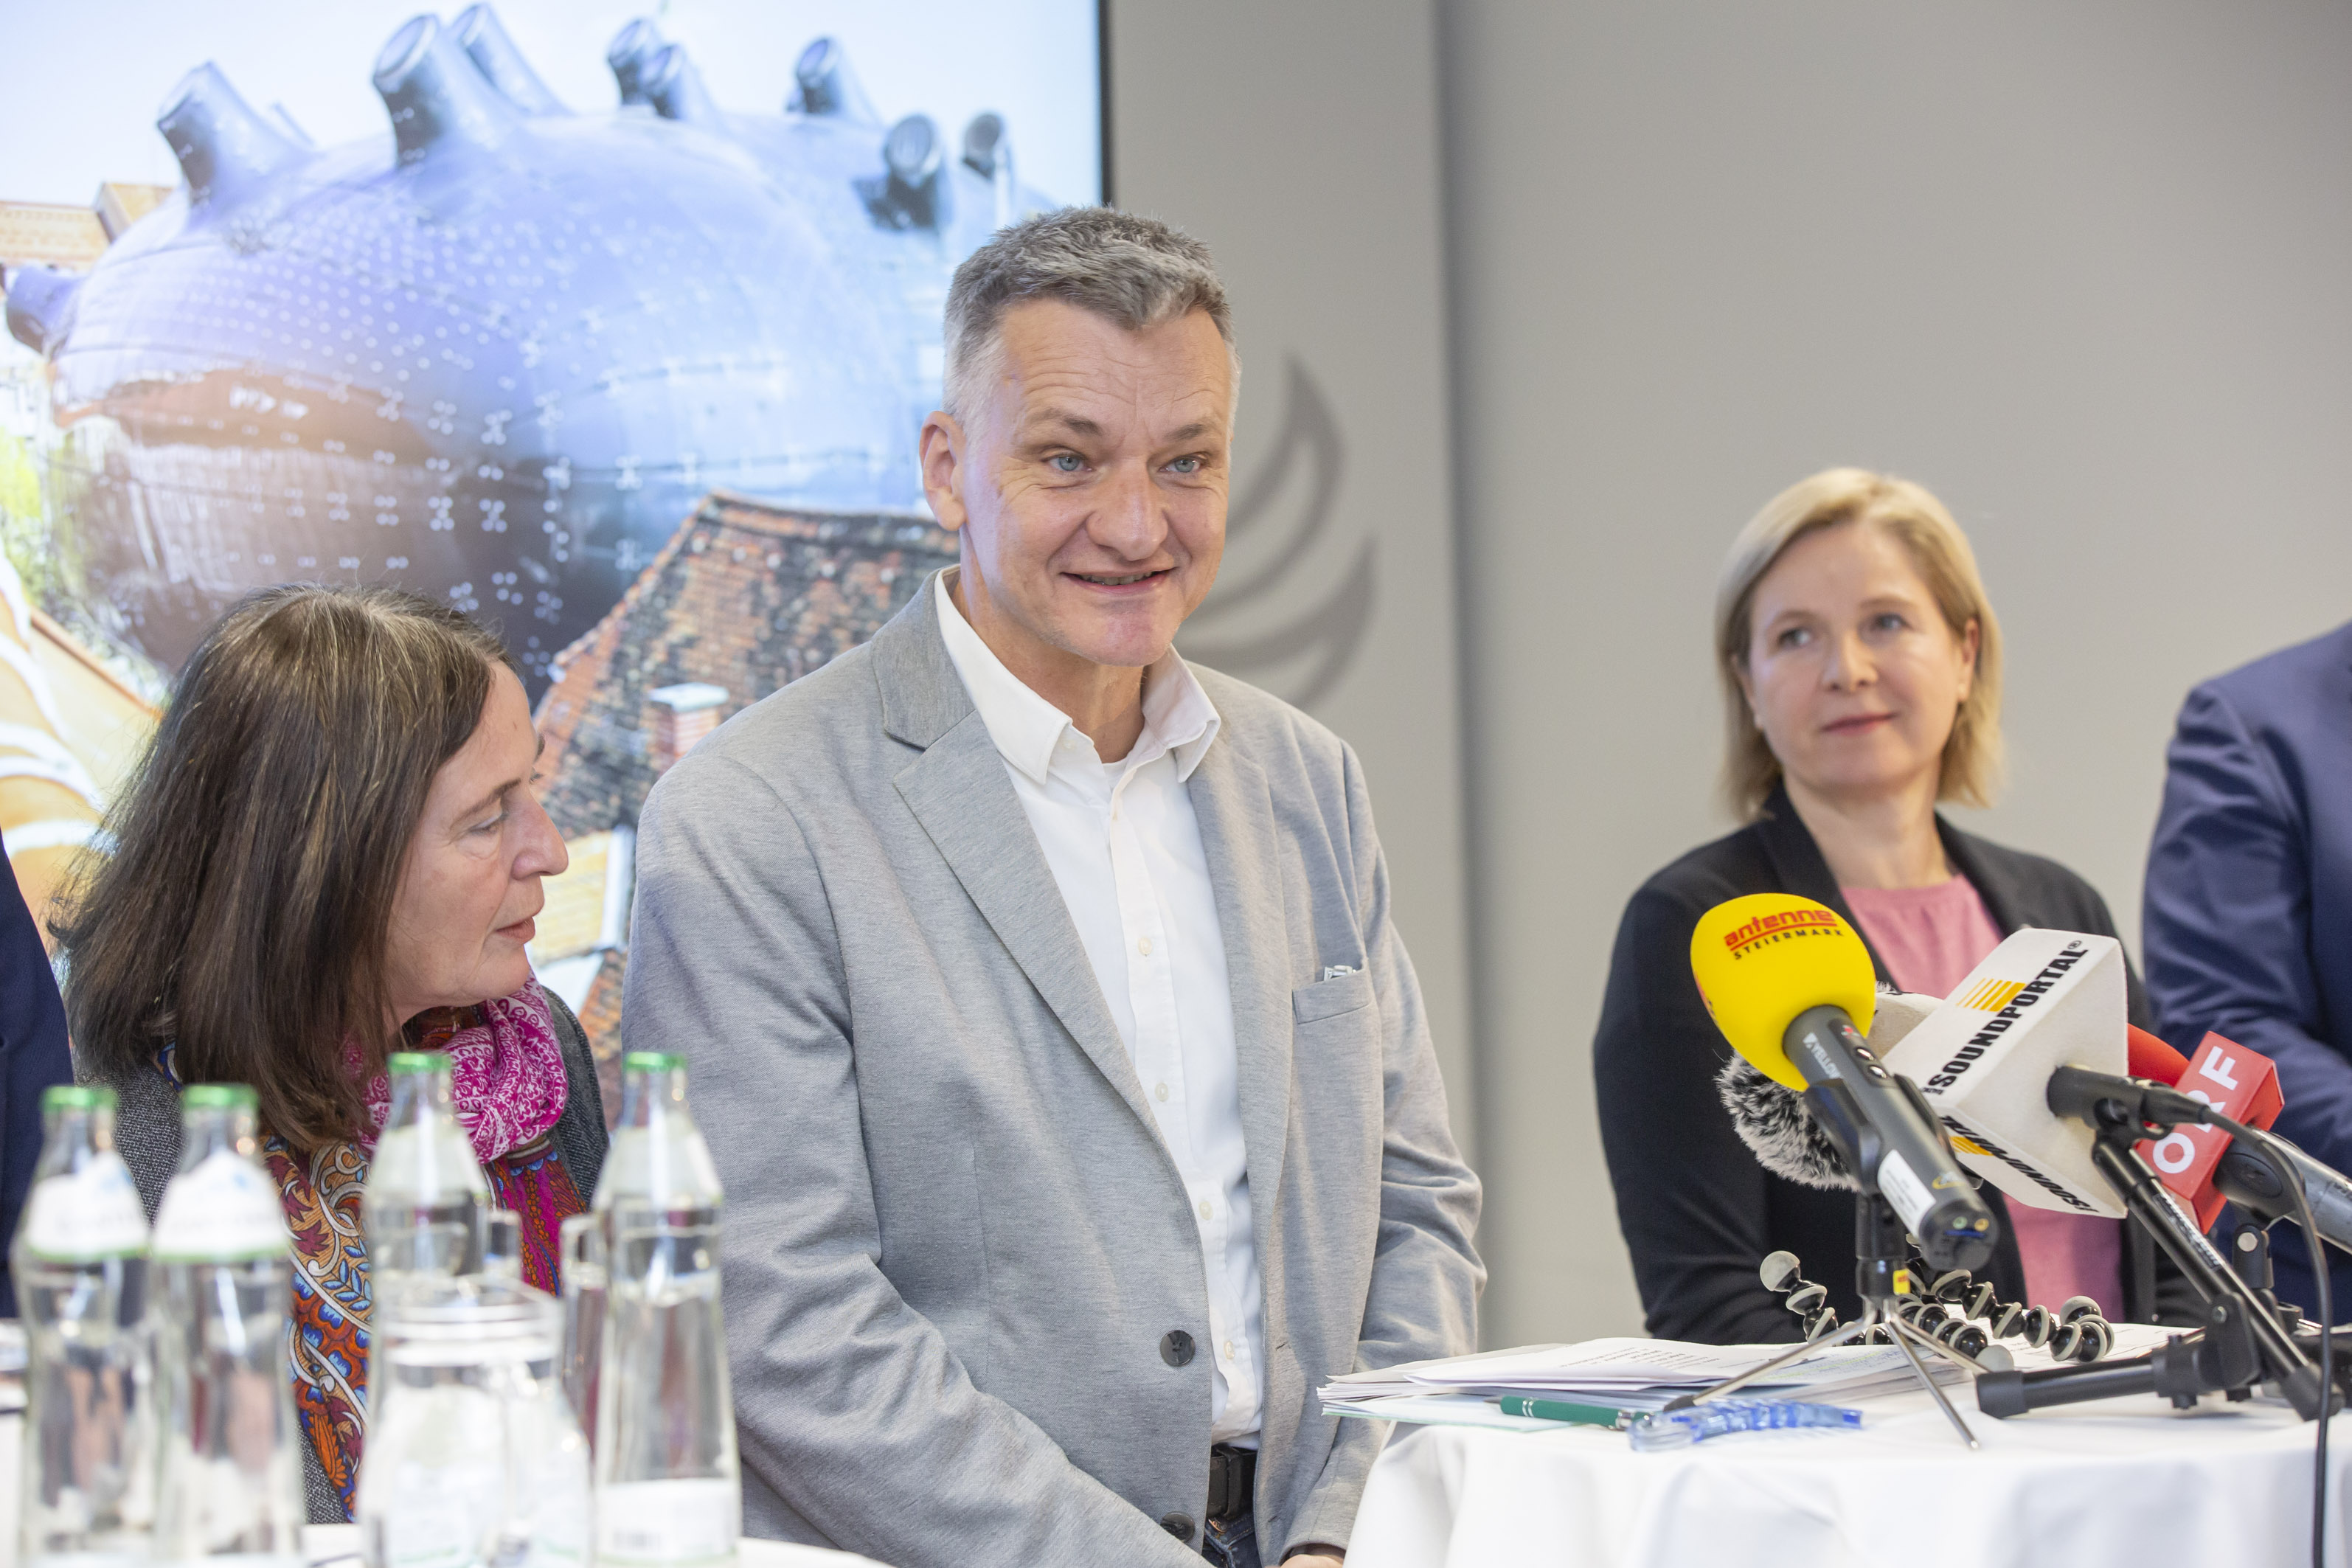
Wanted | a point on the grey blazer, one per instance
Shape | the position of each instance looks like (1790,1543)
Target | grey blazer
(147,1136)
(953,1241)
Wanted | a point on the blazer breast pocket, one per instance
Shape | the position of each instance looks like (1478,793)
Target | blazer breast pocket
(1336,1056)
(1330,999)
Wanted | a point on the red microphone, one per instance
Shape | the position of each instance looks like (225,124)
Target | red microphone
(2240,1084)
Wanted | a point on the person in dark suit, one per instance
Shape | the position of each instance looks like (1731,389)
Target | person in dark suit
(33,1057)
(1860,666)
(2247,920)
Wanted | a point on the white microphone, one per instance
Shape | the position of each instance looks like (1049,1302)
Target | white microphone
(2043,1000)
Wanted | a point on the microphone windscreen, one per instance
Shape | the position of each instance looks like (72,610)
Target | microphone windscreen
(1761,960)
(2040,1000)
(2151,1057)
(1772,1119)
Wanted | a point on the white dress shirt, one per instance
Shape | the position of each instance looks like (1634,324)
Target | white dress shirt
(1125,850)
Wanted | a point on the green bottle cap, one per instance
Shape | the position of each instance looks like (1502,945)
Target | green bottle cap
(652,1061)
(418,1061)
(219,1097)
(77,1097)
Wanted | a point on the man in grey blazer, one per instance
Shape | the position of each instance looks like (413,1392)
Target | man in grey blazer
(1069,1081)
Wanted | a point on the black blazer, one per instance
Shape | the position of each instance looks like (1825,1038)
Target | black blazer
(1698,1212)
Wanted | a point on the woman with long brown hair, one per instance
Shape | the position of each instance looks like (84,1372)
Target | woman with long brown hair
(331,852)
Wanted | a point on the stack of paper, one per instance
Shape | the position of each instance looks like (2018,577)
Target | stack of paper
(1625,1375)
(1634,1375)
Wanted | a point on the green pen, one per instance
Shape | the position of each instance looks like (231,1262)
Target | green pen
(1561,1410)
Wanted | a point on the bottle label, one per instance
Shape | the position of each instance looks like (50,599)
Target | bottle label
(667,1522)
(222,1211)
(666,1163)
(431,1159)
(85,1216)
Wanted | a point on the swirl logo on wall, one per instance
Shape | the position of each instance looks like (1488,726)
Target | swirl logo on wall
(1282,614)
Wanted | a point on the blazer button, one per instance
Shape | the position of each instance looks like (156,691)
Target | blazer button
(1176,1350)
(1179,1525)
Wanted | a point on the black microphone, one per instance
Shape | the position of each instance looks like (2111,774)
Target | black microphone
(2248,1180)
(2242,1175)
(1773,1122)
(1787,980)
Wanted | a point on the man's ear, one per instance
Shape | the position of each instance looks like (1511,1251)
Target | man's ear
(943,470)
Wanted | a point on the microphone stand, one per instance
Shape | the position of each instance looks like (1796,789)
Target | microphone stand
(2243,1340)
(1879,1247)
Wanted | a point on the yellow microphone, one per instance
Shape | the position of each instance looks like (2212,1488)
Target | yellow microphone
(1761,960)
(1792,988)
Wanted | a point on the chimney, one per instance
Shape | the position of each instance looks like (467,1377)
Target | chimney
(683,715)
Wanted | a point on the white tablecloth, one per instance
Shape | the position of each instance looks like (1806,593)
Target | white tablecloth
(2122,1482)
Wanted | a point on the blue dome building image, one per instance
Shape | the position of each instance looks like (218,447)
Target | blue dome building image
(501,352)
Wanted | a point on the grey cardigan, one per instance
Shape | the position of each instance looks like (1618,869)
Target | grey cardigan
(147,1135)
(961,1268)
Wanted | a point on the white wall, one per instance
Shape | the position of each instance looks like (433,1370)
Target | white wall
(2084,270)
(1300,141)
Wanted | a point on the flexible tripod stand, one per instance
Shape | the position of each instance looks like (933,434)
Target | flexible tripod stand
(1879,1247)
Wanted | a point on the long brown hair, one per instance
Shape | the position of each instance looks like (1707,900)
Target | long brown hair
(244,910)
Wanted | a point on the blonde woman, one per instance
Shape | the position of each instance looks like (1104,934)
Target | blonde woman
(1861,669)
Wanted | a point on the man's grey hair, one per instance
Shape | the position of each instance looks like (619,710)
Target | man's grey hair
(1136,271)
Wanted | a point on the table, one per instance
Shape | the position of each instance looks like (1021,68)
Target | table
(2123,1482)
(338,1546)
(326,1543)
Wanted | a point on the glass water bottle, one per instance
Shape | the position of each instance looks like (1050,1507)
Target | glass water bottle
(426,1203)
(87,1496)
(668,1488)
(231,1477)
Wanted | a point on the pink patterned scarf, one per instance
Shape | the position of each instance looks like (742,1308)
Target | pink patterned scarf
(507,1070)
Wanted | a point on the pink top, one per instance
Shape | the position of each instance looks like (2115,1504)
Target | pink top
(1931,938)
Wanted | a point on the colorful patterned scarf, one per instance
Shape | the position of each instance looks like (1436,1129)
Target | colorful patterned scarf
(509,1069)
(506,1068)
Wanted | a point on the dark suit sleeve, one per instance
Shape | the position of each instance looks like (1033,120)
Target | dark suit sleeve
(1691,1199)
(33,1057)
(2227,922)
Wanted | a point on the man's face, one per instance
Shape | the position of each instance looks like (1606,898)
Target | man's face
(1089,484)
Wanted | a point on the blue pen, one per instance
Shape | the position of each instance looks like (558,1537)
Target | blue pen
(1679,1428)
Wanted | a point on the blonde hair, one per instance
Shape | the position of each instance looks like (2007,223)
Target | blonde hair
(1971,766)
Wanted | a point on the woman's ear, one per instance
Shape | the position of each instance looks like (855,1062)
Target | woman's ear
(1747,688)
(1971,642)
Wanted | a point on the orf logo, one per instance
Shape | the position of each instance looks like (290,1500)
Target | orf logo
(2241,1085)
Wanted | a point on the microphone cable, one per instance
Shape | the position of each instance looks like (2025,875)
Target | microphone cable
(2292,1180)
